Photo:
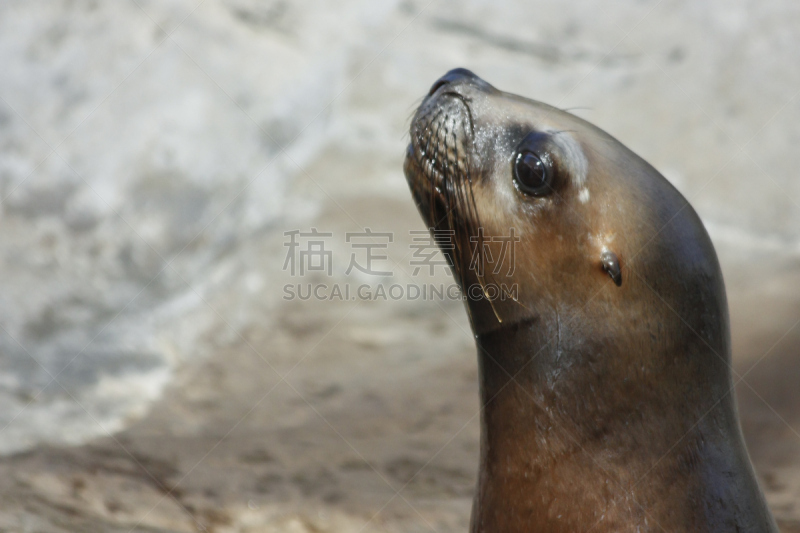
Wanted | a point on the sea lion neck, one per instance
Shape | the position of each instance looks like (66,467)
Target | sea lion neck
(576,435)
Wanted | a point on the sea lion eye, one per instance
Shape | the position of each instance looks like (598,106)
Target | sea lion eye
(531,174)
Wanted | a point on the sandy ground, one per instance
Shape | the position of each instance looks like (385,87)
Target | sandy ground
(152,155)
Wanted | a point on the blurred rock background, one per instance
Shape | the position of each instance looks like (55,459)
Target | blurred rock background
(152,155)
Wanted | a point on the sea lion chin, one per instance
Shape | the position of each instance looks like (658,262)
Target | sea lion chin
(602,335)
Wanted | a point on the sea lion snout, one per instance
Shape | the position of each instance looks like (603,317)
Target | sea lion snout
(439,154)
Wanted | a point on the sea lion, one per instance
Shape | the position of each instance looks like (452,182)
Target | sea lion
(604,348)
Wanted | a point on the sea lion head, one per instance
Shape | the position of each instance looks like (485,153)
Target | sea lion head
(549,214)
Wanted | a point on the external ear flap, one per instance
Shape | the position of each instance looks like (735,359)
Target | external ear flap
(611,266)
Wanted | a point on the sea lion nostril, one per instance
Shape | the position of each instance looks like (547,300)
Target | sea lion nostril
(454,76)
(436,85)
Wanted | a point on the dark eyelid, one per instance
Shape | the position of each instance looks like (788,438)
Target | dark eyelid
(534,141)
(516,133)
